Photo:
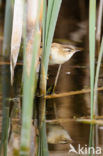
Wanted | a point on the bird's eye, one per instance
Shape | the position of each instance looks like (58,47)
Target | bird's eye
(69,50)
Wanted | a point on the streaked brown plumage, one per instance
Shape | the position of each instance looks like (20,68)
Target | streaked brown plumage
(59,54)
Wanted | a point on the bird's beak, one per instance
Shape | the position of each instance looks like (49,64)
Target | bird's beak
(79,49)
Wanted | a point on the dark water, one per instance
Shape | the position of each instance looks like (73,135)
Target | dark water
(72,25)
(69,107)
(75,106)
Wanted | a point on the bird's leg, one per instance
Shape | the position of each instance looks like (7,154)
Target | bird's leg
(56,79)
(55,109)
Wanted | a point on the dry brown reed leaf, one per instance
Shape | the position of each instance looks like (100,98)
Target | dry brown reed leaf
(16,35)
(32,27)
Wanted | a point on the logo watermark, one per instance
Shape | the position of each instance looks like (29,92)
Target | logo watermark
(85,150)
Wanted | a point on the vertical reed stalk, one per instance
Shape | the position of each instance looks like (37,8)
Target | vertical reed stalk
(5,127)
(7,28)
(92,27)
(50,15)
(96,79)
(91,137)
(100,51)
(99,23)
(32,38)
(6,79)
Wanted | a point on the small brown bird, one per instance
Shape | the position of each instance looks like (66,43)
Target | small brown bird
(60,54)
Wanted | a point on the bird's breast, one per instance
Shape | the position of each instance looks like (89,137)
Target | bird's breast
(57,57)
